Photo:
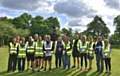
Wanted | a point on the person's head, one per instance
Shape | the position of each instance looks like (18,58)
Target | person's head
(40,38)
(30,38)
(23,39)
(83,38)
(45,37)
(106,41)
(48,38)
(90,38)
(99,38)
(14,40)
(66,38)
(17,39)
(59,39)
(76,37)
(36,36)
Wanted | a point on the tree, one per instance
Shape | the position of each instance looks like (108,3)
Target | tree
(97,27)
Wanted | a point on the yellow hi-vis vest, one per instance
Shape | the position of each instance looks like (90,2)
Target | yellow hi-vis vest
(55,46)
(107,51)
(39,49)
(90,49)
(67,46)
(30,49)
(78,44)
(13,49)
(22,51)
(84,47)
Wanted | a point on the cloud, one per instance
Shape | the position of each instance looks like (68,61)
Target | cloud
(29,5)
(115,4)
(73,8)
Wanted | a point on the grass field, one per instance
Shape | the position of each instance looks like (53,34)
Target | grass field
(60,72)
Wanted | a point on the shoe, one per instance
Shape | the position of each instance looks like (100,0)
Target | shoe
(109,73)
(44,70)
(85,70)
(80,69)
(38,70)
(73,66)
(50,70)
(106,72)
(89,69)
(41,67)
(27,69)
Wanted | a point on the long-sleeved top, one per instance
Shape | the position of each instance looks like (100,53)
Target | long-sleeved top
(59,48)
(48,44)
(98,50)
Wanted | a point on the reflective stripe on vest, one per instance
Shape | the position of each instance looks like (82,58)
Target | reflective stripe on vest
(13,49)
(67,46)
(99,47)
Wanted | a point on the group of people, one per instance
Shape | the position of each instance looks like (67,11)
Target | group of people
(39,51)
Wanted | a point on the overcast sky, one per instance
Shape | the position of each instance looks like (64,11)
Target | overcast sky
(71,13)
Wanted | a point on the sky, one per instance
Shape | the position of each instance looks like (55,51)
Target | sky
(75,14)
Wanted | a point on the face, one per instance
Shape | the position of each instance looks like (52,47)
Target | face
(45,37)
(36,36)
(40,38)
(99,39)
(14,40)
(59,39)
(48,38)
(90,38)
(83,39)
(23,40)
(65,38)
(76,37)
(106,42)
(30,39)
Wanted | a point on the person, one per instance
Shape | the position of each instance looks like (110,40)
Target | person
(107,56)
(83,52)
(58,51)
(48,48)
(75,52)
(99,45)
(39,52)
(90,52)
(67,52)
(13,52)
(30,53)
(17,39)
(21,55)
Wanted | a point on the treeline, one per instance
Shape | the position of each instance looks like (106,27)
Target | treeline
(26,25)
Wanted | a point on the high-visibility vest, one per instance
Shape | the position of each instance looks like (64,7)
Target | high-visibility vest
(90,48)
(78,44)
(55,46)
(39,49)
(84,47)
(107,51)
(67,46)
(30,49)
(22,51)
(48,48)
(13,49)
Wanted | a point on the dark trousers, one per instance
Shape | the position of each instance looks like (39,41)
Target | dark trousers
(12,62)
(108,63)
(99,60)
(84,55)
(58,59)
(21,64)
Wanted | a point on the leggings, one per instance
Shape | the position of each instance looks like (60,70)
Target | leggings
(85,58)
(108,63)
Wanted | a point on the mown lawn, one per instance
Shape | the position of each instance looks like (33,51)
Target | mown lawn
(60,72)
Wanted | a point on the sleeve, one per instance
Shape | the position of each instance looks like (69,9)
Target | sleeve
(17,49)
(44,48)
(52,47)
(110,51)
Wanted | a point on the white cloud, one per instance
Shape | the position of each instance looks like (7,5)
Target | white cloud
(5,15)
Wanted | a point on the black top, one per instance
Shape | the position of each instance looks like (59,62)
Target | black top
(48,44)
(75,46)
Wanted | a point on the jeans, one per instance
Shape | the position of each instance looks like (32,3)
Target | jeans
(66,60)
(108,63)
(58,58)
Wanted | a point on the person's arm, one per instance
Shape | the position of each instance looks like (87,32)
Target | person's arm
(110,51)
(70,47)
(9,48)
(52,47)
(44,48)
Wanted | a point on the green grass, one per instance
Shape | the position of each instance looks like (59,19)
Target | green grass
(60,72)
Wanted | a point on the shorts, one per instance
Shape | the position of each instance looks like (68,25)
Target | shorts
(90,57)
(76,54)
(30,57)
(48,58)
(38,57)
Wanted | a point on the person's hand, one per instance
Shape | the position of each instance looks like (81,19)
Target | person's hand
(47,51)
(65,51)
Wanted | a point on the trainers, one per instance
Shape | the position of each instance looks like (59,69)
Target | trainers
(73,66)
(109,73)
(44,70)
(80,69)
(85,70)
(27,69)
(50,70)
(38,70)
(33,71)
(89,69)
